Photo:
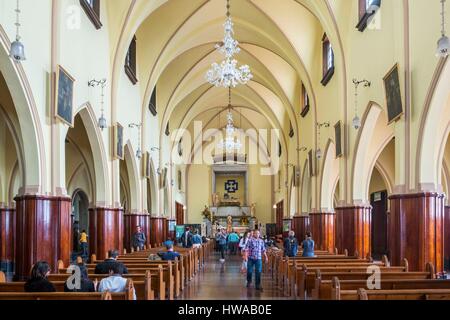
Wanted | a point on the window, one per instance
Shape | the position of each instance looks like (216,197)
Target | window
(305,102)
(92,9)
(152,104)
(130,62)
(328,60)
(367,8)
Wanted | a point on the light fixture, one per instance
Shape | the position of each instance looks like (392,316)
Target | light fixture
(274,206)
(230,144)
(102,123)
(443,48)
(319,153)
(302,149)
(155,149)
(227,74)
(17,48)
(356,122)
(138,126)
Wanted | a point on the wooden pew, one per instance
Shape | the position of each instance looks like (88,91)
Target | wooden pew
(306,279)
(62,296)
(148,286)
(167,276)
(418,294)
(139,266)
(332,290)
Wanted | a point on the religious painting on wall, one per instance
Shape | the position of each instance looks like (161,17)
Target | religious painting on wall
(338,137)
(64,96)
(180,186)
(146,168)
(163,179)
(311,163)
(296,176)
(393,94)
(118,141)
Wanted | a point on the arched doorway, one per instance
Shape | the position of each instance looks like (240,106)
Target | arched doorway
(80,217)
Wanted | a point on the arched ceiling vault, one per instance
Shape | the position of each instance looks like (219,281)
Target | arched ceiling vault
(279,40)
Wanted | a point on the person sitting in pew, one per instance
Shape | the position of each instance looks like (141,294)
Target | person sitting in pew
(105,266)
(115,282)
(38,281)
(290,245)
(308,245)
(85,284)
(170,254)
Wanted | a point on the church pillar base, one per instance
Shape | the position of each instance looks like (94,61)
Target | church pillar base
(416,230)
(322,228)
(43,232)
(105,231)
(7,232)
(131,221)
(300,225)
(158,231)
(353,229)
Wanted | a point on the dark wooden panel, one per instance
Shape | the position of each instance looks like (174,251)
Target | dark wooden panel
(300,225)
(416,229)
(105,231)
(322,229)
(279,217)
(157,231)
(447,237)
(43,232)
(179,213)
(131,221)
(379,225)
(353,229)
(7,232)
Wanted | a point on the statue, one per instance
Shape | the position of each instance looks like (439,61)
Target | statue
(216,200)
(252,210)
(229,224)
(207,214)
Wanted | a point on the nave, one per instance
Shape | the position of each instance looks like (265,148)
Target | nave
(225,281)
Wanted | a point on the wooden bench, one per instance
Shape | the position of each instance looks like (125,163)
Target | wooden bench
(417,294)
(332,290)
(306,278)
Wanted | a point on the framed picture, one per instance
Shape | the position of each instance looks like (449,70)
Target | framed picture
(311,163)
(146,170)
(163,179)
(180,186)
(64,96)
(338,137)
(393,94)
(118,141)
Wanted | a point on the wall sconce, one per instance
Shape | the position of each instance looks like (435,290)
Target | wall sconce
(356,120)
(301,149)
(274,206)
(17,51)
(319,127)
(102,83)
(443,48)
(138,126)
(155,149)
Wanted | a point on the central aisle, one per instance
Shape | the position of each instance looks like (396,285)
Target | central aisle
(224,281)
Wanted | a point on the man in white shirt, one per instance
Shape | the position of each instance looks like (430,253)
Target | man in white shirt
(115,282)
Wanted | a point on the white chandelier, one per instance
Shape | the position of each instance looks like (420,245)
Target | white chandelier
(230,144)
(227,74)
(443,48)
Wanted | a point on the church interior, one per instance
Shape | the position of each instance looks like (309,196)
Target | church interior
(322,116)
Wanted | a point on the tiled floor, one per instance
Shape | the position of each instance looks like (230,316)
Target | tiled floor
(224,281)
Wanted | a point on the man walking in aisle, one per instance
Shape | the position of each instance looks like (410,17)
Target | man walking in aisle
(254,251)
